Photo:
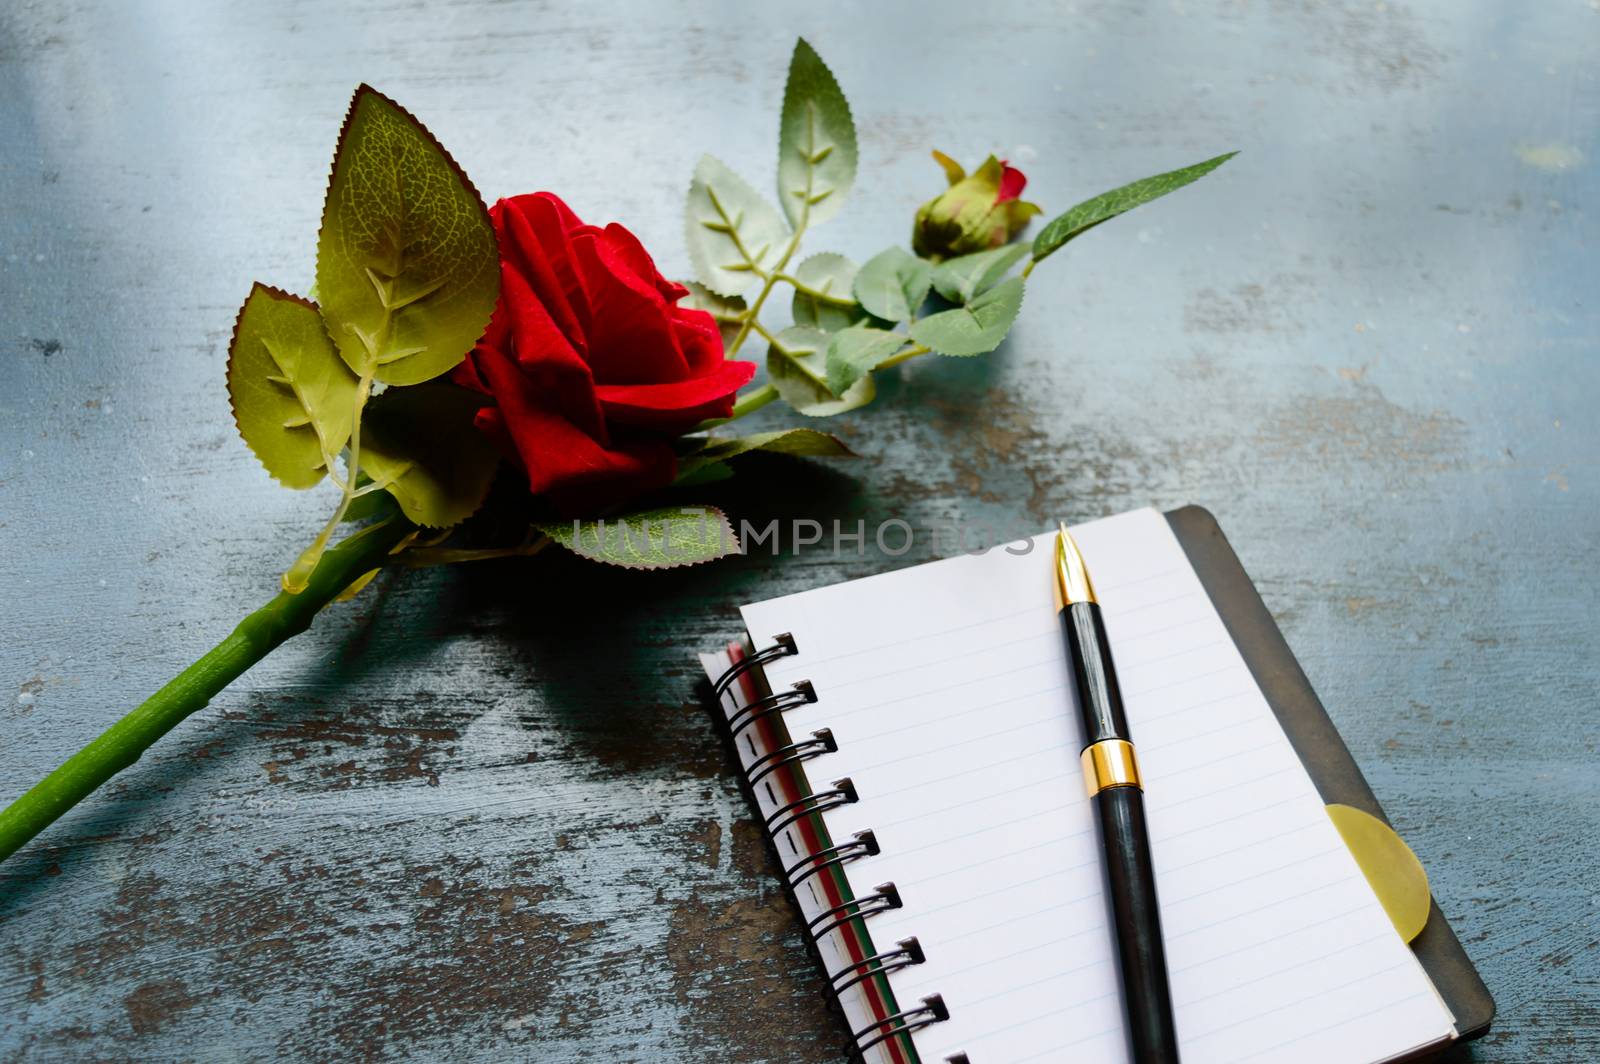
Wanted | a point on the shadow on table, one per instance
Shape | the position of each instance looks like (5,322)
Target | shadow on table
(607,655)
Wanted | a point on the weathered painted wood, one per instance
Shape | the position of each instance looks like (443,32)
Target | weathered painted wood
(477,813)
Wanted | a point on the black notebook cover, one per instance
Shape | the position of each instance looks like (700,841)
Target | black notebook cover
(1327,759)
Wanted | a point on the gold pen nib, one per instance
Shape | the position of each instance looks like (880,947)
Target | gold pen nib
(1072,576)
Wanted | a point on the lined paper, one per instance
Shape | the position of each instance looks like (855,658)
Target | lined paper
(946,686)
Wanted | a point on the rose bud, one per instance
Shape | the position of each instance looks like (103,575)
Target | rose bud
(977,212)
(589,365)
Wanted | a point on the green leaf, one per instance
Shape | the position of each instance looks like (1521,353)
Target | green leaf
(663,538)
(727,310)
(959,279)
(710,463)
(975,328)
(805,442)
(420,445)
(827,317)
(816,141)
(853,353)
(822,297)
(291,395)
(893,284)
(797,367)
(695,471)
(407,266)
(1108,205)
(731,231)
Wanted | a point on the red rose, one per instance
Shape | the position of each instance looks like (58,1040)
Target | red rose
(591,365)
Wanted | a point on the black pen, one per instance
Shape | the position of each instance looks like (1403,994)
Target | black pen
(1111,775)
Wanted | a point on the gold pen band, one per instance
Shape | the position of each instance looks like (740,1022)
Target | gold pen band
(1109,763)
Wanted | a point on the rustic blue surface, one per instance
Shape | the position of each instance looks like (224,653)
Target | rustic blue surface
(477,813)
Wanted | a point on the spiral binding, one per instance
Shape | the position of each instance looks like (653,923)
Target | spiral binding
(907,951)
(821,742)
(843,792)
(782,646)
(861,844)
(884,897)
(931,1011)
(801,694)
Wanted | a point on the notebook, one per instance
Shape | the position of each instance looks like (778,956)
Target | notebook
(908,740)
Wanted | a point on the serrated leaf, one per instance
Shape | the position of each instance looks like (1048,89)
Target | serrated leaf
(975,328)
(1108,205)
(805,442)
(827,317)
(816,141)
(732,233)
(420,445)
(695,471)
(797,367)
(893,284)
(727,310)
(822,295)
(710,463)
(663,538)
(853,353)
(292,396)
(960,279)
(407,266)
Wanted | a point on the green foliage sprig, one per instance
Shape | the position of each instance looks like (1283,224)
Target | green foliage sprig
(848,323)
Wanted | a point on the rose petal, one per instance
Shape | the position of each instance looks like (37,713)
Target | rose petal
(631,340)
(627,245)
(699,338)
(563,462)
(559,378)
(534,245)
(679,405)
(1012,182)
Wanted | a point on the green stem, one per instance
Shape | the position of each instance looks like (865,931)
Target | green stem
(256,636)
(770,279)
(904,356)
(752,401)
(846,300)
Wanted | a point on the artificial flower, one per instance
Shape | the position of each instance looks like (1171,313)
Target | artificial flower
(979,211)
(591,366)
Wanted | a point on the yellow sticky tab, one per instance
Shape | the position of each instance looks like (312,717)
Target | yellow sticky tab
(1394,872)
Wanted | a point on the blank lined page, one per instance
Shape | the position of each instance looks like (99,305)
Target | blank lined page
(946,687)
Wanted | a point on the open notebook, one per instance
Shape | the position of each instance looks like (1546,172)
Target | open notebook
(924,793)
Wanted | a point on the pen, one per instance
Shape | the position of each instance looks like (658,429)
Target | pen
(1111,775)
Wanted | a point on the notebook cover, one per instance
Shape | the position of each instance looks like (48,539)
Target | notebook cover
(1315,739)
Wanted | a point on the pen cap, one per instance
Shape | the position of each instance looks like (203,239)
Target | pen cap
(1094,677)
